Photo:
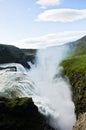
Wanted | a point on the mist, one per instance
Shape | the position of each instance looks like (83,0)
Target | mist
(53,88)
(46,83)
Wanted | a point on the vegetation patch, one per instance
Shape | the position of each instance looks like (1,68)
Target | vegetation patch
(75,69)
(21,114)
(77,75)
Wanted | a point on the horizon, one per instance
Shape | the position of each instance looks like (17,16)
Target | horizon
(54,45)
(41,23)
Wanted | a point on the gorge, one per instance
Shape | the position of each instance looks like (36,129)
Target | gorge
(45,82)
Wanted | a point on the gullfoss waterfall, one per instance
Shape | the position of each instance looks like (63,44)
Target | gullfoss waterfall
(46,84)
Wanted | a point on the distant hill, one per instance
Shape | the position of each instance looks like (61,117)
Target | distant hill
(30,54)
(12,54)
(78,47)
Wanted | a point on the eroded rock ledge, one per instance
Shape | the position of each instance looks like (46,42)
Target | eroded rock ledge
(21,114)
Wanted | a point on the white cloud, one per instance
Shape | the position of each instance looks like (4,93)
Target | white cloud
(62,15)
(50,39)
(46,3)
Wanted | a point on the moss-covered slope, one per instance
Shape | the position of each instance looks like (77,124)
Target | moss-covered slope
(20,114)
(80,48)
(75,69)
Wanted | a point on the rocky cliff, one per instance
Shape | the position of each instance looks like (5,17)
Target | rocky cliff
(75,69)
(21,114)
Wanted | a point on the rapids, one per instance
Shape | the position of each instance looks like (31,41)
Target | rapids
(46,84)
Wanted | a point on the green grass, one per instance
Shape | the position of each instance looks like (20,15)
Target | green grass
(80,49)
(75,69)
(20,114)
(76,63)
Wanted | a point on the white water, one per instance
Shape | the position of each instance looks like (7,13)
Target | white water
(46,85)
(54,89)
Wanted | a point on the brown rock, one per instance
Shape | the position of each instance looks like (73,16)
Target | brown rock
(81,122)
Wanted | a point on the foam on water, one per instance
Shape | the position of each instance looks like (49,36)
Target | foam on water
(53,87)
(46,84)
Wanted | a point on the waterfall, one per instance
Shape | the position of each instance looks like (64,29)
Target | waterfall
(46,84)
(53,87)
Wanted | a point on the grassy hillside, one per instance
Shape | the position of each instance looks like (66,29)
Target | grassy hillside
(75,69)
(80,47)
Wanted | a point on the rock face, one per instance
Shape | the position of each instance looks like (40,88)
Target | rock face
(81,122)
(75,69)
(11,54)
(20,114)
(78,81)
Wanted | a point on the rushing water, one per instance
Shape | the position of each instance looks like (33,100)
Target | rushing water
(46,84)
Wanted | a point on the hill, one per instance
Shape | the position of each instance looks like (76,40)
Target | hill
(75,69)
(80,47)
(30,54)
(12,54)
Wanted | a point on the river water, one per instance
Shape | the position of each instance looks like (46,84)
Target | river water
(46,83)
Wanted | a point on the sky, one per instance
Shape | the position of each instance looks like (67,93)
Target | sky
(41,23)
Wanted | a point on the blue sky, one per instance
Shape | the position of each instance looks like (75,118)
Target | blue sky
(40,23)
